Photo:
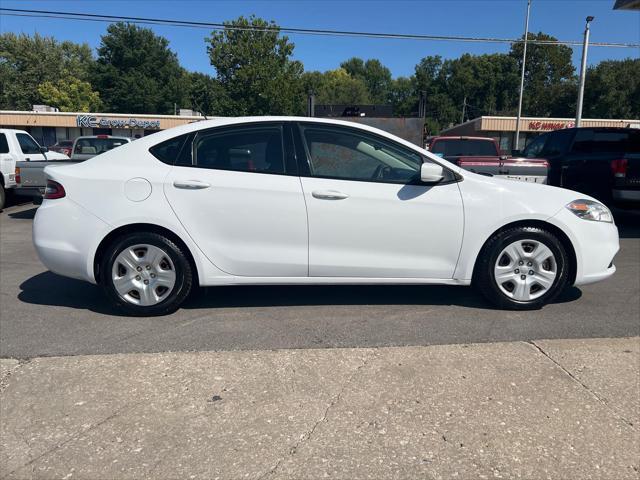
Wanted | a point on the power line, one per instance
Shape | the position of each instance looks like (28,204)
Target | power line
(18,12)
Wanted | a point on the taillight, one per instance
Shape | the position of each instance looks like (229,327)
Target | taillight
(18,177)
(54,190)
(619,167)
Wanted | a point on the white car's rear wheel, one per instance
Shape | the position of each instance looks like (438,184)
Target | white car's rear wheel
(146,274)
(522,268)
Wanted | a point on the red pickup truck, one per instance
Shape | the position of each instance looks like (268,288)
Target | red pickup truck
(482,155)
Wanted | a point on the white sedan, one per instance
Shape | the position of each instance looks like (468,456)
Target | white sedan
(286,200)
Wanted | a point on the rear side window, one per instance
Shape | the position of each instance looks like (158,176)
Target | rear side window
(4,146)
(600,141)
(175,151)
(27,144)
(463,148)
(250,149)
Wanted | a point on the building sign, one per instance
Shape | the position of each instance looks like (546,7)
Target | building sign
(91,121)
(545,126)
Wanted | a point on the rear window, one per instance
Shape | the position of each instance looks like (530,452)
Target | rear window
(4,146)
(605,141)
(96,146)
(463,148)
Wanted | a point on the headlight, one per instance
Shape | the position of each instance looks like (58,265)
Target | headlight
(590,210)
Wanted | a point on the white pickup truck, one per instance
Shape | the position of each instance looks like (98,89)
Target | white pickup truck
(17,148)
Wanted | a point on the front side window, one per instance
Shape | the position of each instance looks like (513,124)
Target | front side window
(534,149)
(4,145)
(249,149)
(27,144)
(342,153)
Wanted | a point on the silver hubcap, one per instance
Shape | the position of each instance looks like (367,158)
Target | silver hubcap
(525,270)
(143,275)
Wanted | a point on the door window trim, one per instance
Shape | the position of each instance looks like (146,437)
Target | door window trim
(304,157)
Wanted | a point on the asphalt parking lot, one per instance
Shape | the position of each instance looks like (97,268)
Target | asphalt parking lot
(43,314)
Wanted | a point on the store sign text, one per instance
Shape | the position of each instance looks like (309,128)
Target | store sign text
(90,121)
(550,125)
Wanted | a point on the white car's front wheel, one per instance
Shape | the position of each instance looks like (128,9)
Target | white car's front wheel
(522,268)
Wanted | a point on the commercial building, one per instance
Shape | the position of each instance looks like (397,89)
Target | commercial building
(503,128)
(49,127)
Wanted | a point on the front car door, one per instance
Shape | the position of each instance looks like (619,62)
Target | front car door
(369,215)
(236,191)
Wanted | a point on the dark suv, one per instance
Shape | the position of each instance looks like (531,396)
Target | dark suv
(601,162)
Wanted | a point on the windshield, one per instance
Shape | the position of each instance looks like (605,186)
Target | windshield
(96,146)
(464,148)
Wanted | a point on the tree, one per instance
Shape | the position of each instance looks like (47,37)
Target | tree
(136,72)
(549,74)
(254,66)
(70,95)
(335,87)
(206,95)
(403,96)
(612,89)
(376,77)
(26,62)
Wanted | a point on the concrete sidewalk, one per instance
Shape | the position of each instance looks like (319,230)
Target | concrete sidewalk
(550,409)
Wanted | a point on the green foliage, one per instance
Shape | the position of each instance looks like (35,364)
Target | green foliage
(375,76)
(26,62)
(612,89)
(335,87)
(136,72)
(255,69)
(549,76)
(71,95)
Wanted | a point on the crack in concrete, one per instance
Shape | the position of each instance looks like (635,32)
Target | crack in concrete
(75,436)
(306,436)
(582,384)
(4,381)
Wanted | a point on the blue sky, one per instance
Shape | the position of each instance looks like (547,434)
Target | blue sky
(488,18)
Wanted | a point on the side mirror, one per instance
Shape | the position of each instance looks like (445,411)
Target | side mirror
(431,172)
(44,149)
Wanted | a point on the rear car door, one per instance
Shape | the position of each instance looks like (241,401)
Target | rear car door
(237,193)
(369,214)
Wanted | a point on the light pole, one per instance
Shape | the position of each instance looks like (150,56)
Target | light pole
(583,70)
(516,143)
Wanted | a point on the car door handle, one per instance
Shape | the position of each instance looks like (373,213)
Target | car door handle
(329,195)
(191,184)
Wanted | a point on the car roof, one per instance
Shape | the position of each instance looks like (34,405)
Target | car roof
(461,137)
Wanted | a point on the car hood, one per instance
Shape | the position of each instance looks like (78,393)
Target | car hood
(53,155)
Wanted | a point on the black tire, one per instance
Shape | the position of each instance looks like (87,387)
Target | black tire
(484,276)
(184,274)
(3,196)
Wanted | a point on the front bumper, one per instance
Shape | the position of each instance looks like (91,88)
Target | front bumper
(595,245)
(66,237)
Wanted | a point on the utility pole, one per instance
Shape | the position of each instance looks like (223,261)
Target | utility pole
(583,70)
(464,109)
(516,141)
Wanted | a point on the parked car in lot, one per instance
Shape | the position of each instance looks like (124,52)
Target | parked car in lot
(88,147)
(482,155)
(286,200)
(602,162)
(63,146)
(30,176)
(17,147)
